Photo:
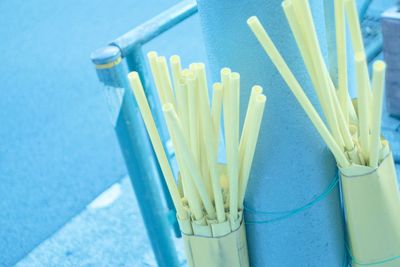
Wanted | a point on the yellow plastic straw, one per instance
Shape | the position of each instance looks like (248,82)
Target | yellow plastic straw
(363,89)
(253,125)
(377,91)
(183,109)
(152,56)
(181,100)
(209,141)
(165,80)
(138,91)
(298,33)
(175,63)
(204,118)
(225,80)
(293,84)
(174,126)
(343,124)
(233,143)
(354,25)
(246,132)
(216,109)
(318,61)
(341,58)
(193,121)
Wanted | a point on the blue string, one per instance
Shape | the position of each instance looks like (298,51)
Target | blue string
(292,212)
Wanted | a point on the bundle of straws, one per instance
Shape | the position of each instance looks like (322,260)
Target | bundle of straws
(369,182)
(211,200)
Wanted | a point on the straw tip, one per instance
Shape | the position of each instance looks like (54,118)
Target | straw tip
(261,98)
(217,86)
(133,75)
(152,54)
(185,72)
(200,66)
(257,89)
(379,65)
(252,20)
(226,71)
(234,76)
(174,59)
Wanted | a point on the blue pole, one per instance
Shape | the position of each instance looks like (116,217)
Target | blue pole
(137,152)
(291,164)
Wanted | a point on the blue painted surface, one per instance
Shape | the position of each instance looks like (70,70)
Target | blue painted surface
(57,147)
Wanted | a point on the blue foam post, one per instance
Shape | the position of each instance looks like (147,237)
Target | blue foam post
(292,165)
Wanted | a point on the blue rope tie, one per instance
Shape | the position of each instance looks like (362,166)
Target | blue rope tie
(290,213)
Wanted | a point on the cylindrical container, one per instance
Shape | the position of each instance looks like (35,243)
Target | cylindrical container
(229,250)
(209,243)
(372,204)
(292,165)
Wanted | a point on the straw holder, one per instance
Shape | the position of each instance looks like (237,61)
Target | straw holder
(212,244)
(372,206)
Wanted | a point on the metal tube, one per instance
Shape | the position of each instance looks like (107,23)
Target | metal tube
(154,27)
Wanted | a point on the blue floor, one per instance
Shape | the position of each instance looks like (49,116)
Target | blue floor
(57,148)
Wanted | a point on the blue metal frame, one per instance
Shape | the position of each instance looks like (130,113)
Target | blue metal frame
(113,63)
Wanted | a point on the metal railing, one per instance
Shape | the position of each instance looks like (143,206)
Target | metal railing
(112,64)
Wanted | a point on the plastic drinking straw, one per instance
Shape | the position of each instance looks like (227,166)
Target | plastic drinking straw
(204,118)
(355,31)
(225,80)
(152,56)
(216,107)
(298,34)
(302,7)
(189,189)
(341,53)
(330,89)
(138,91)
(209,141)
(165,80)
(246,135)
(363,87)
(244,138)
(233,143)
(378,79)
(254,129)
(295,87)
(175,63)
(343,124)
(174,126)
(187,183)
(183,109)
(293,19)
(354,25)
(193,121)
